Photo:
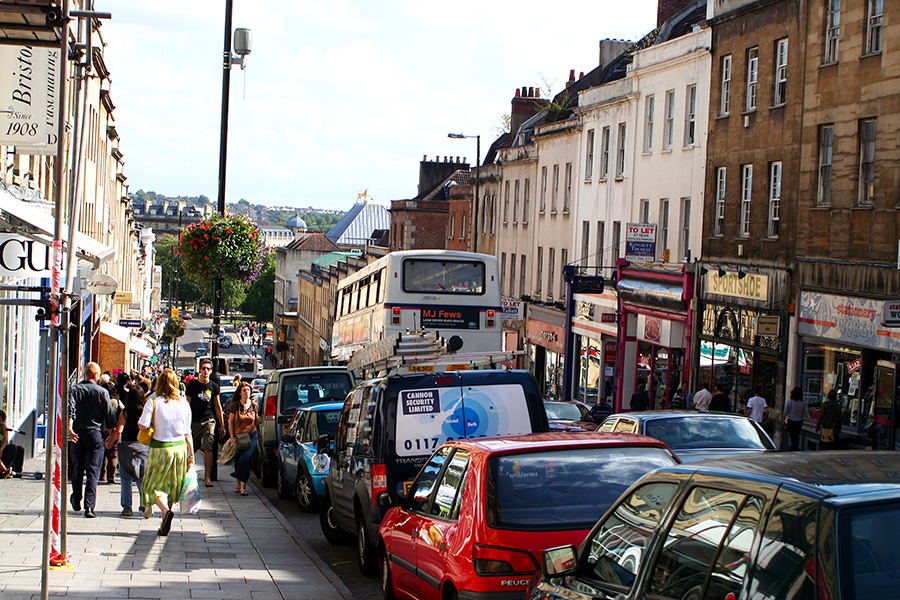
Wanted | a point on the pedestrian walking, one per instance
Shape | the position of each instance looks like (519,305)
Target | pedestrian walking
(678,400)
(206,412)
(132,454)
(757,409)
(720,402)
(242,427)
(796,411)
(171,451)
(702,398)
(640,400)
(90,412)
(12,456)
(829,422)
(110,463)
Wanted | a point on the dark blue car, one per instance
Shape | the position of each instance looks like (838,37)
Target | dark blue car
(301,469)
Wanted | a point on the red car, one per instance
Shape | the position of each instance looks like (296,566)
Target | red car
(482,511)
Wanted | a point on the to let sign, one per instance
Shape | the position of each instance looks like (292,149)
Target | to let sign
(640,242)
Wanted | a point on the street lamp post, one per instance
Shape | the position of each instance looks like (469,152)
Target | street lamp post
(459,136)
(242,47)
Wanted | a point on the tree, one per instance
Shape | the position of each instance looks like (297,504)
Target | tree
(260,297)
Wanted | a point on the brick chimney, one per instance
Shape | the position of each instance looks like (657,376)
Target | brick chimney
(526,103)
(667,8)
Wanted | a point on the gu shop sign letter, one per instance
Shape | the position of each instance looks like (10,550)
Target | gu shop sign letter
(640,242)
(29,94)
(23,257)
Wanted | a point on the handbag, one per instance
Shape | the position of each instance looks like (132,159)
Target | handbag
(145,436)
(827,434)
(227,453)
(241,442)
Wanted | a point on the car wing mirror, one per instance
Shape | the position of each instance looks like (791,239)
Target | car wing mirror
(323,444)
(560,561)
(384,499)
(288,439)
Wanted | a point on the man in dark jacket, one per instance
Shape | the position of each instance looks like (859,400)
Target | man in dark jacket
(90,412)
(720,401)
(640,400)
(829,421)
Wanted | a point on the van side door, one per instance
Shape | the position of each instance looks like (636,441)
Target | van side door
(495,409)
(339,474)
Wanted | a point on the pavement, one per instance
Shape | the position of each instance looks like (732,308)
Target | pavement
(235,547)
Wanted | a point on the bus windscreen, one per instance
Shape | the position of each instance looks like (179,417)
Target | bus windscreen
(443,276)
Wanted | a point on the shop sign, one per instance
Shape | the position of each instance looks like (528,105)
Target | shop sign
(22,257)
(753,287)
(640,242)
(608,318)
(101,284)
(891,314)
(854,321)
(29,88)
(547,335)
(854,365)
(609,355)
(134,323)
(513,310)
(651,329)
(124,297)
(451,317)
(767,325)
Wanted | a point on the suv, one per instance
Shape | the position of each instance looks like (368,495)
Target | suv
(285,392)
(789,526)
(391,425)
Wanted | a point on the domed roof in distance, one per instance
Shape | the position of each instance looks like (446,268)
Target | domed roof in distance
(296,222)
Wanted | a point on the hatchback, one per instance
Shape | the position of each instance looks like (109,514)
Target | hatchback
(695,435)
(481,511)
(301,467)
(792,526)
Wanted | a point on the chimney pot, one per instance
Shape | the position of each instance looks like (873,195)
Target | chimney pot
(424,158)
(517,92)
(581,74)
(571,74)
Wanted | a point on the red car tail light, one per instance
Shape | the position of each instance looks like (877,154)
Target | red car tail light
(395,315)
(379,480)
(494,560)
(271,401)
(490,318)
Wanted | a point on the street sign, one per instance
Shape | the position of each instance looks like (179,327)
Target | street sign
(135,323)
(608,317)
(101,284)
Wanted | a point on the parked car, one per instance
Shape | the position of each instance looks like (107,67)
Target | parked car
(391,425)
(789,526)
(225,341)
(258,385)
(186,316)
(202,350)
(301,467)
(287,390)
(694,435)
(481,511)
(569,416)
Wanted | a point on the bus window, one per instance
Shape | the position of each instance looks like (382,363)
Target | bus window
(381,284)
(354,298)
(373,289)
(447,277)
(345,306)
(363,292)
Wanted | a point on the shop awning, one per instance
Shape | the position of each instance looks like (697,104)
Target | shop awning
(31,219)
(141,346)
(115,331)
(654,294)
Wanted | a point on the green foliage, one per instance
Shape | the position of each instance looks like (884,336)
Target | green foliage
(223,247)
(185,288)
(260,297)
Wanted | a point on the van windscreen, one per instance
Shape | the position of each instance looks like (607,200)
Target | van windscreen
(305,388)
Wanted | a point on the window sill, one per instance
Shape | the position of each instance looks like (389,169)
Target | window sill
(505,222)
(863,207)
(553,212)
(647,153)
(777,106)
(620,178)
(588,181)
(749,111)
(542,211)
(666,151)
(525,223)
(602,179)
(869,55)
(825,65)
(565,211)
(723,117)
(820,208)
(688,147)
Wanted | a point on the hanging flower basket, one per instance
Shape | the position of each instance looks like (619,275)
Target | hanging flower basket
(174,329)
(223,247)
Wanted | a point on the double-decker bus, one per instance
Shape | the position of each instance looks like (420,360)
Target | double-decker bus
(456,294)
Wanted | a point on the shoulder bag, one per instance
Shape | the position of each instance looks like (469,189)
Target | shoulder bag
(145,436)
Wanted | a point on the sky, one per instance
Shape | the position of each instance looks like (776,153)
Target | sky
(338,97)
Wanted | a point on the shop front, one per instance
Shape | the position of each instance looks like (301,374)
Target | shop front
(514,328)
(654,335)
(742,334)
(545,337)
(595,325)
(851,345)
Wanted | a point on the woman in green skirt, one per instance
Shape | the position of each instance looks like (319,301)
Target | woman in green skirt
(171,451)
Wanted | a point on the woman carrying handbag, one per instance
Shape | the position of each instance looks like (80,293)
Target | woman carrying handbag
(242,428)
(171,449)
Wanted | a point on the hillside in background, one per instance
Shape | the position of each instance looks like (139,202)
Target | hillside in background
(316,219)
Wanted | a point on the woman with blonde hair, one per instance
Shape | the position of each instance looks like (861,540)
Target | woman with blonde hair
(171,451)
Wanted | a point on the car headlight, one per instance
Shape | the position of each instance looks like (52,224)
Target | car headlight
(321,462)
